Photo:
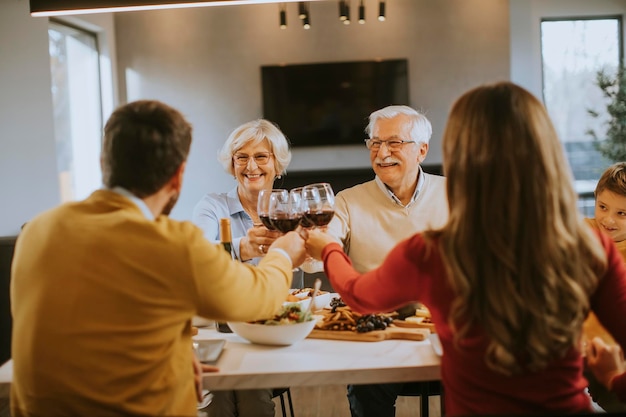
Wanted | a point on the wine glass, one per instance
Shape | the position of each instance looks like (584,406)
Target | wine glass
(263,204)
(285,211)
(303,222)
(318,204)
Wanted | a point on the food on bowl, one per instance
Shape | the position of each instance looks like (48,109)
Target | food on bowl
(288,314)
(306,292)
(289,326)
(321,299)
(292,298)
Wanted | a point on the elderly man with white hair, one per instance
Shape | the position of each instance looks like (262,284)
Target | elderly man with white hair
(371,218)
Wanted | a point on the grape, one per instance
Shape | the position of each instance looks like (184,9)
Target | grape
(336,302)
(370,322)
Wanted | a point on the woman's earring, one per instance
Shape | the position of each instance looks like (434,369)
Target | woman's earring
(279,176)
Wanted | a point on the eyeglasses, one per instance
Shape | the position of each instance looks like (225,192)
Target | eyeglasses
(393,145)
(260,158)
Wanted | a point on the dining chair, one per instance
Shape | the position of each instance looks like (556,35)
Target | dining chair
(280,392)
(427,389)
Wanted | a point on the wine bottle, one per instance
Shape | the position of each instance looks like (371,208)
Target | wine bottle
(226,240)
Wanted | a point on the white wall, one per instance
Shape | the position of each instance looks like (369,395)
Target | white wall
(28,174)
(28,170)
(206,62)
(526,18)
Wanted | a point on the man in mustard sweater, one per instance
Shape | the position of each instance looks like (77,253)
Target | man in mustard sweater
(103,290)
(371,218)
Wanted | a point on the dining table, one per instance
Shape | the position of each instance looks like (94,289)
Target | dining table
(309,362)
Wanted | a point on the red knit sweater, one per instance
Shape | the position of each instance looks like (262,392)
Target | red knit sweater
(412,272)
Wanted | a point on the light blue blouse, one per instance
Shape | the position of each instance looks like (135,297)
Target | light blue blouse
(214,206)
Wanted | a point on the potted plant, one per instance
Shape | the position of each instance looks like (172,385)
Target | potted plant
(612,143)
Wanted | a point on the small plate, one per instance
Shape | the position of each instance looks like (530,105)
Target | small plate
(208,351)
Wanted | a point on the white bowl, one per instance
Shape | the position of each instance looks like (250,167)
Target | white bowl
(277,335)
(321,300)
(303,303)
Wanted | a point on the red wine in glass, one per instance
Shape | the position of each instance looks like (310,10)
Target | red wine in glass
(319,218)
(267,222)
(286,224)
(305,222)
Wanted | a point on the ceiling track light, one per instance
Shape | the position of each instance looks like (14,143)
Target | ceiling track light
(381,11)
(283,16)
(361,13)
(306,21)
(342,10)
(347,20)
(301,10)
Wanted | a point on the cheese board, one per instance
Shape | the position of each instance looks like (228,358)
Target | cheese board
(391,332)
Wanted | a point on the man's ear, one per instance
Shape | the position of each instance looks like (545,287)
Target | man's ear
(423,151)
(177,180)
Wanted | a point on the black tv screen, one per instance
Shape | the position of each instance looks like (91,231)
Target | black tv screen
(328,104)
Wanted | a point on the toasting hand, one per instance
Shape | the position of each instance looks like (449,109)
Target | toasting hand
(293,244)
(605,361)
(317,241)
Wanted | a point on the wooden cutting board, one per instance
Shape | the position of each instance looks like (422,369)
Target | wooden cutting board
(412,325)
(373,336)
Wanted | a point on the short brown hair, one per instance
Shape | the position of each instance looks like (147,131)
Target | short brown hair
(145,142)
(613,179)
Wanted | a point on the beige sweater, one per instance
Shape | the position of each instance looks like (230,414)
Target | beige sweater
(370,223)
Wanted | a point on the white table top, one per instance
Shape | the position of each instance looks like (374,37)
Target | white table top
(319,362)
(310,362)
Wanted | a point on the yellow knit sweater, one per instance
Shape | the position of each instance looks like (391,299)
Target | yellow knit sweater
(102,299)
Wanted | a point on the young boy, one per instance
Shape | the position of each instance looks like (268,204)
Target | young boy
(610,217)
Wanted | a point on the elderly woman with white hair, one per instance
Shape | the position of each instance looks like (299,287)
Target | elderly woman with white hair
(255,153)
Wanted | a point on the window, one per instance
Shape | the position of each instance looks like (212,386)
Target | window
(77,106)
(573,51)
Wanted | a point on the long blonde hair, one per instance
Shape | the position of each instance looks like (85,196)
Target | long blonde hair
(520,259)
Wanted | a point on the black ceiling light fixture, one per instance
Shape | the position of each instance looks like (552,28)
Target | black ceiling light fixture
(361,13)
(283,16)
(347,19)
(342,10)
(306,22)
(70,7)
(301,10)
(381,10)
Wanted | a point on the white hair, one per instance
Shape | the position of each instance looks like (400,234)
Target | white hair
(420,129)
(255,132)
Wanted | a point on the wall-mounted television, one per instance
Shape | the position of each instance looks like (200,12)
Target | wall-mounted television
(328,104)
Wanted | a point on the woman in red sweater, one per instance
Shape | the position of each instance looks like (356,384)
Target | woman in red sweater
(511,277)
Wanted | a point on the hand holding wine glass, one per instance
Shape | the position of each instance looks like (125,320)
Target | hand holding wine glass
(285,212)
(318,209)
(318,204)
(263,234)
(265,200)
